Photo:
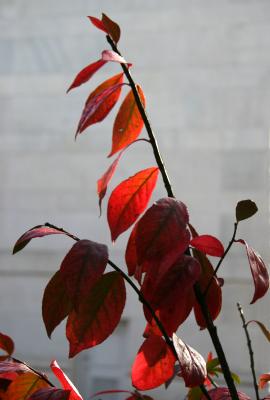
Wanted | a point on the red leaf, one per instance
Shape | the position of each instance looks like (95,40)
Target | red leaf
(37,231)
(112,28)
(24,385)
(214,293)
(98,24)
(111,392)
(209,245)
(65,381)
(86,73)
(263,380)
(103,182)
(50,393)
(129,199)
(82,267)
(171,296)
(131,254)
(99,315)
(128,122)
(153,365)
(193,366)
(222,393)
(6,344)
(259,272)
(110,55)
(100,102)
(162,234)
(9,366)
(56,303)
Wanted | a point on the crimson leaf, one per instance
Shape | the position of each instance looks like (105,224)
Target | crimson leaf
(208,244)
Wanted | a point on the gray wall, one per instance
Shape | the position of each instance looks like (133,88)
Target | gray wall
(204,67)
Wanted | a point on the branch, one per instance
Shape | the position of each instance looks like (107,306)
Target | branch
(250,350)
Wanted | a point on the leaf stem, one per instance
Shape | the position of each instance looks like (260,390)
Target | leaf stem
(40,374)
(250,350)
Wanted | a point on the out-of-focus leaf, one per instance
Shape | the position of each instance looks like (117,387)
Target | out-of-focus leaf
(37,231)
(129,199)
(194,393)
(6,344)
(86,73)
(222,393)
(65,381)
(193,365)
(99,315)
(98,23)
(245,209)
(128,122)
(50,393)
(263,380)
(56,304)
(9,366)
(81,268)
(264,330)
(111,27)
(153,365)
(259,272)
(24,385)
(208,244)
(110,55)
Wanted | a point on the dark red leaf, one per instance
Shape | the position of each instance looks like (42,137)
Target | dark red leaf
(209,245)
(162,234)
(263,380)
(37,231)
(99,315)
(100,102)
(153,365)
(245,209)
(8,367)
(111,27)
(259,272)
(110,55)
(129,199)
(214,293)
(128,122)
(171,294)
(65,381)
(56,303)
(6,344)
(86,73)
(193,366)
(98,24)
(222,393)
(82,267)
(50,393)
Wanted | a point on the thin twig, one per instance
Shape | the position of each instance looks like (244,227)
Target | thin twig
(250,350)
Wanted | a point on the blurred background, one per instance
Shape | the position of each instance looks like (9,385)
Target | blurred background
(204,67)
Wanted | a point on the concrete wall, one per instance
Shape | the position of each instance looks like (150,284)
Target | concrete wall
(204,67)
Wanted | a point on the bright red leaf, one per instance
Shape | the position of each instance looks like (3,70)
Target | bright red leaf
(6,344)
(100,102)
(153,365)
(82,267)
(110,55)
(128,122)
(99,315)
(86,73)
(131,254)
(37,231)
(263,380)
(50,393)
(162,234)
(222,393)
(98,23)
(208,244)
(129,199)
(65,381)
(56,304)
(193,365)
(259,272)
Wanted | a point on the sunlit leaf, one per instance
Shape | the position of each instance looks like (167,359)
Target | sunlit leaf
(98,23)
(263,380)
(24,385)
(81,268)
(193,365)
(56,303)
(129,199)
(153,365)
(111,27)
(245,209)
(99,315)
(86,73)
(128,122)
(208,244)
(50,393)
(65,381)
(6,344)
(259,272)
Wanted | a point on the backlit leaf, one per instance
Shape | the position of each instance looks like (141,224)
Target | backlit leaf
(245,209)
(222,393)
(129,199)
(86,73)
(193,365)
(81,268)
(153,365)
(37,231)
(100,102)
(6,344)
(162,234)
(11,366)
(24,385)
(131,254)
(208,244)
(65,381)
(98,23)
(111,27)
(128,122)
(99,315)
(50,393)
(263,380)
(110,55)
(264,330)
(259,272)
(56,303)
